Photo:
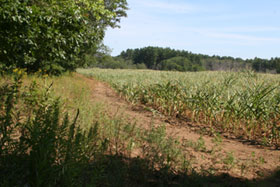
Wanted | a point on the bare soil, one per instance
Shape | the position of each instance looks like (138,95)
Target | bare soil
(250,161)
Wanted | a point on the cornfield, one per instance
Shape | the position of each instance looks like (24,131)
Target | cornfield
(245,104)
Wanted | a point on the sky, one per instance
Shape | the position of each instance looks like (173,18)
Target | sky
(237,28)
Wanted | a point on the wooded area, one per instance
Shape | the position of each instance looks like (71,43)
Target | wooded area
(159,58)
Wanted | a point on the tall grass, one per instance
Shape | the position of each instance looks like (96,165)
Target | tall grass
(243,103)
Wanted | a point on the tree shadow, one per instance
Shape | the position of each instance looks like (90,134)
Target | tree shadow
(121,171)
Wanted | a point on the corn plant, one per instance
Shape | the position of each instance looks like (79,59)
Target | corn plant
(244,103)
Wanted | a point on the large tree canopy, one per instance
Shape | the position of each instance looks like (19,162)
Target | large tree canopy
(53,35)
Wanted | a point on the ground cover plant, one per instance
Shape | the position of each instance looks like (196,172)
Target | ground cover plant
(245,104)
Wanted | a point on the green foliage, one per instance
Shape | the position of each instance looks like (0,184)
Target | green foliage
(53,35)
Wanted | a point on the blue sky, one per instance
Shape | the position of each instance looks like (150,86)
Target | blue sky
(238,28)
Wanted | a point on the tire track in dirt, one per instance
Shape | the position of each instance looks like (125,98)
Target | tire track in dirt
(115,105)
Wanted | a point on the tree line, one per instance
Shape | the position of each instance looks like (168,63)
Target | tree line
(158,58)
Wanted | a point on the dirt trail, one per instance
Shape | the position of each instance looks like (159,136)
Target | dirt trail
(245,155)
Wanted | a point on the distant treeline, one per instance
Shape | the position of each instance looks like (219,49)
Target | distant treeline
(158,58)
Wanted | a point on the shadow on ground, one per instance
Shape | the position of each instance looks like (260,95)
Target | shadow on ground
(120,171)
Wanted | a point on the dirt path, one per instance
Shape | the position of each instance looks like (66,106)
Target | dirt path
(248,161)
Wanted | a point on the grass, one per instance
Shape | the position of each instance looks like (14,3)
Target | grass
(245,104)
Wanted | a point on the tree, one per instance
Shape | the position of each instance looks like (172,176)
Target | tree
(97,54)
(276,64)
(179,64)
(53,35)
